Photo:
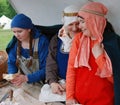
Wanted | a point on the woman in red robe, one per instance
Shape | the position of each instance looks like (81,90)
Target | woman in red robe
(89,74)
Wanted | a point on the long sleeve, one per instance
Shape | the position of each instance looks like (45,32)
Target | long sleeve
(104,66)
(70,78)
(51,64)
(101,61)
(12,68)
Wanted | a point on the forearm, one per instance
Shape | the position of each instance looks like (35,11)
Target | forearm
(36,76)
(51,71)
(104,66)
(70,84)
(12,69)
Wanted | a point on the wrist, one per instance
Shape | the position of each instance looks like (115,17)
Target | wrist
(26,78)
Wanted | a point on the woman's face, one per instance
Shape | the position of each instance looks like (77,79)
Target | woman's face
(83,27)
(21,34)
(73,28)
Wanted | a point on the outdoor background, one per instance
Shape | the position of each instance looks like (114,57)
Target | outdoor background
(5,35)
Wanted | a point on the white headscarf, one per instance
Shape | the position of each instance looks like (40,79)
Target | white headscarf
(70,14)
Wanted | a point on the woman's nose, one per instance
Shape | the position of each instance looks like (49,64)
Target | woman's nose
(75,27)
(16,34)
(80,26)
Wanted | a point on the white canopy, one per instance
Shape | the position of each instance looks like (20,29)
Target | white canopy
(7,25)
(49,12)
(5,21)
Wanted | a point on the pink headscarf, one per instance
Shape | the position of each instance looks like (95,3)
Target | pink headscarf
(93,13)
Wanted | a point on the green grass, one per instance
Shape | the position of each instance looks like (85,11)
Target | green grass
(5,37)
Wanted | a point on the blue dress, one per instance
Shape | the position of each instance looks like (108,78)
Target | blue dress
(39,74)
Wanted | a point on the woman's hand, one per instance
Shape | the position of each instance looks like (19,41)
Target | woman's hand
(62,32)
(57,88)
(97,50)
(19,79)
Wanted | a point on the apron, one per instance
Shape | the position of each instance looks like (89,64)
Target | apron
(35,61)
(35,88)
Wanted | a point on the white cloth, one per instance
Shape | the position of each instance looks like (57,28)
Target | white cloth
(46,95)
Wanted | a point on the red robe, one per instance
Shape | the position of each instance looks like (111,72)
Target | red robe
(84,86)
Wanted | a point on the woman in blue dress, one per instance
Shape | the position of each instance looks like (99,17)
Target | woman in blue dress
(27,58)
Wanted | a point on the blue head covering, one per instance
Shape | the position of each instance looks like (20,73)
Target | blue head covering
(21,21)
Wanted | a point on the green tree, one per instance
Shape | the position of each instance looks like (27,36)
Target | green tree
(6,9)
(2,7)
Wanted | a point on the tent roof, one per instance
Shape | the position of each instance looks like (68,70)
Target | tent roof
(44,12)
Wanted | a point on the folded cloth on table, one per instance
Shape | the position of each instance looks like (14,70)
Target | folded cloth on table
(46,95)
